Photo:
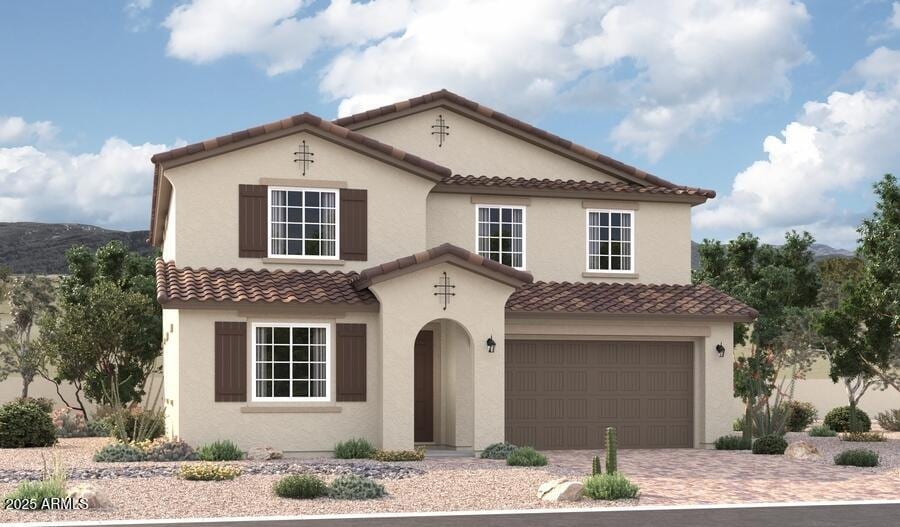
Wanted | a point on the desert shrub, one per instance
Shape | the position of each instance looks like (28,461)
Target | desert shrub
(526,457)
(29,495)
(399,455)
(498,450)
(119,452)
(42,402)
(136,424)
(353,487)
(822,431)
(25,424)
(838,419)
(164,449)
(863,437)
(356,448)
(208,472)
(300,487)
(770,444)
(800,415)
(610,487)
(69,423)
(98,428)
(220,451)
(732,443)
(738,425)
(857,457)
(889,420)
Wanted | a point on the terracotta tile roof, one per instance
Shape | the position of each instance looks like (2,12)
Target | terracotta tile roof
(630,299)
(445,95)
(572,185)
(366,276)
(270,287)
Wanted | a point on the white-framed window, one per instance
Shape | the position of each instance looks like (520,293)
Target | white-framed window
(610,241)
(303,222)
(500,234)
(291,362)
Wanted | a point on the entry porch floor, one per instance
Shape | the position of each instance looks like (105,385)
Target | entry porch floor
(666,477)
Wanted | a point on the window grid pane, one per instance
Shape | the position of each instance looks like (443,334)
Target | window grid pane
(501,235)
(304,223)
(609,241)
(290,362)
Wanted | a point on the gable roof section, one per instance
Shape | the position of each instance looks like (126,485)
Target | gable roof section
(591,189)
(281,128)
(627,299)
(186,285)
(507,123)
(443,253)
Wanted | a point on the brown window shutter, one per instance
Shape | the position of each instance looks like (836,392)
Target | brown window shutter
(354,224)
(231,361)
(252,219)
(351,362)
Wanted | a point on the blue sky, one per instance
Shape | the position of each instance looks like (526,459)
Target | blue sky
(690,92)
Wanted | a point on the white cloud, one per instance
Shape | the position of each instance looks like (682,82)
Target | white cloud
(15,130)
(894,21)
(111,187)
(674,67)
(834,148)
(135,11)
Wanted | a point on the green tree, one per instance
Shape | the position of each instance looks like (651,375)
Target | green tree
(778,282)
(29,297)
(108,331)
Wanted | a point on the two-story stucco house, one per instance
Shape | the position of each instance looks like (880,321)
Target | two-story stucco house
(432,272)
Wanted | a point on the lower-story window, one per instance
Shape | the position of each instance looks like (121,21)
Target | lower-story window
(291,362)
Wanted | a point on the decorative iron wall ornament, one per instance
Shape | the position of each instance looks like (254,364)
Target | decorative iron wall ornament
(304,157)
(444,290)
(440,129)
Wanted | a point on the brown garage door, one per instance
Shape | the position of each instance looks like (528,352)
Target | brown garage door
(563,394)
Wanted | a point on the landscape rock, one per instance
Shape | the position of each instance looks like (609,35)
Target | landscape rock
(264,453)
(561,489)
(802,450)
(90,493)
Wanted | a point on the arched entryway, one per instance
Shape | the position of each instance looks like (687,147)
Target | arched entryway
(443,405)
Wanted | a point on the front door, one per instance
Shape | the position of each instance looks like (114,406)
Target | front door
(424,387)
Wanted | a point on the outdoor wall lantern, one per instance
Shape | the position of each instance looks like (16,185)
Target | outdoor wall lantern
(720,349)
(491,344)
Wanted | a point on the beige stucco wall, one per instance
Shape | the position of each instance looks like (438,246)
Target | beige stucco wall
(206,197)
(478,149)
(714,404)
(201,420)
(171,369)
(407,305)
(556,237)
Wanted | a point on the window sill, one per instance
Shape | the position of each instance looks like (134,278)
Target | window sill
(598,274)
(265,409)
(304,261)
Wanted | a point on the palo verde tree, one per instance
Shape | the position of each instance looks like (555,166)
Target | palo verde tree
(777,282)
(107,333)
(29,297)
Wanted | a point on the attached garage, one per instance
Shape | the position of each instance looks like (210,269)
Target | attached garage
(562,394)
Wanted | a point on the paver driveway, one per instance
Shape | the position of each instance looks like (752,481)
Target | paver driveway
(708,476)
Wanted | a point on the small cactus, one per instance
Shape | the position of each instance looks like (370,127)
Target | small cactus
(595,467)
(611,458)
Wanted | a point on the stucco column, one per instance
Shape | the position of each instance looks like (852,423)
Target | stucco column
(489,384)
(720,405)
(397,375)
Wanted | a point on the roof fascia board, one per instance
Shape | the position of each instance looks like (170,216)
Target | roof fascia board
(574,194)
(450,259)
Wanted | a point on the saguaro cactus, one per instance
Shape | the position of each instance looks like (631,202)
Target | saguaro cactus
(595,466)
(611,447)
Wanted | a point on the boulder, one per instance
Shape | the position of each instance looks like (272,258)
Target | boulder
(802,450)
(92,496)
(264,453)
(561,490)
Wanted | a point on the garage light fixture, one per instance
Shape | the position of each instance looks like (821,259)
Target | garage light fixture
(491,345)
(720,349)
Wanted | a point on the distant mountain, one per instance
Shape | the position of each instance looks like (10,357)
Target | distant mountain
(820,252)
(41,247)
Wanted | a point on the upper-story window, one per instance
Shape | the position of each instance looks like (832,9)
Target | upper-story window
(610,241)
(501,234)
(303,223)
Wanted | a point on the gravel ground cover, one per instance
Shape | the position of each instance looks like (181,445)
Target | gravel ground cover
(666,477)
